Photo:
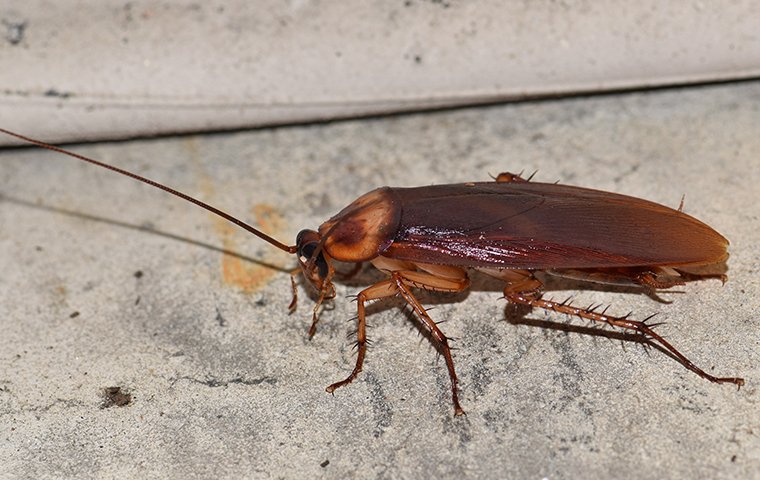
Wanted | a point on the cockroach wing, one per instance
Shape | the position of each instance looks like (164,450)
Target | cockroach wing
(546,226)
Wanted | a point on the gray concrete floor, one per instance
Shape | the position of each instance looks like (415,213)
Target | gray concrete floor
(107,283)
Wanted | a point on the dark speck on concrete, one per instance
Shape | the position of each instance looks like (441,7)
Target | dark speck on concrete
(440,3)
(325,463)
(115,397)
(220,319)
(52,92)
(14,31)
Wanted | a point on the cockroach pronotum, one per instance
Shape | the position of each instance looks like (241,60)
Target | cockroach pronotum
(510,228)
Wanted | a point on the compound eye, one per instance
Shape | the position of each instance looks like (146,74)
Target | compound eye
(305,251)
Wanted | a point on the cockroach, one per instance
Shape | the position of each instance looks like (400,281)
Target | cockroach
(510,228)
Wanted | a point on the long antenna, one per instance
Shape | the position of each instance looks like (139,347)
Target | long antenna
(226,216)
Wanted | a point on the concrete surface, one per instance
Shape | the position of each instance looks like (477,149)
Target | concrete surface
(105,283)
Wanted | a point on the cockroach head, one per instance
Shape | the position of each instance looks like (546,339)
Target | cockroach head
(314,262)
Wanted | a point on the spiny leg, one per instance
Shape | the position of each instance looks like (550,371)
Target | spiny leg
(382,289)
(444,278)
(528,292)
(327,293)
(435,333)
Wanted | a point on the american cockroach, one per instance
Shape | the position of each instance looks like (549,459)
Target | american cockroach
(510,228)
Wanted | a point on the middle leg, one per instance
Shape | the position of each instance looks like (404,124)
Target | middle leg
(432,277)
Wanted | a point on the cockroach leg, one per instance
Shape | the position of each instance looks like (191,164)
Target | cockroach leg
(508,177)
(327,293)
(435,333)
(657,280)
(442,278)
(527,292)
(383,289)
(294,300)
(647,331)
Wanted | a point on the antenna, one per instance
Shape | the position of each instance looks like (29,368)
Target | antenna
(226,216)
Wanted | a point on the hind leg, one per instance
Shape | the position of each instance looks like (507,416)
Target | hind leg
(525,289)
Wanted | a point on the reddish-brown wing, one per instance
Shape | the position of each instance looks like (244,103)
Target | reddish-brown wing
(545,226)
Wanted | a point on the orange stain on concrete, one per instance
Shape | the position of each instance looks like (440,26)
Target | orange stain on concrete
(237,272)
